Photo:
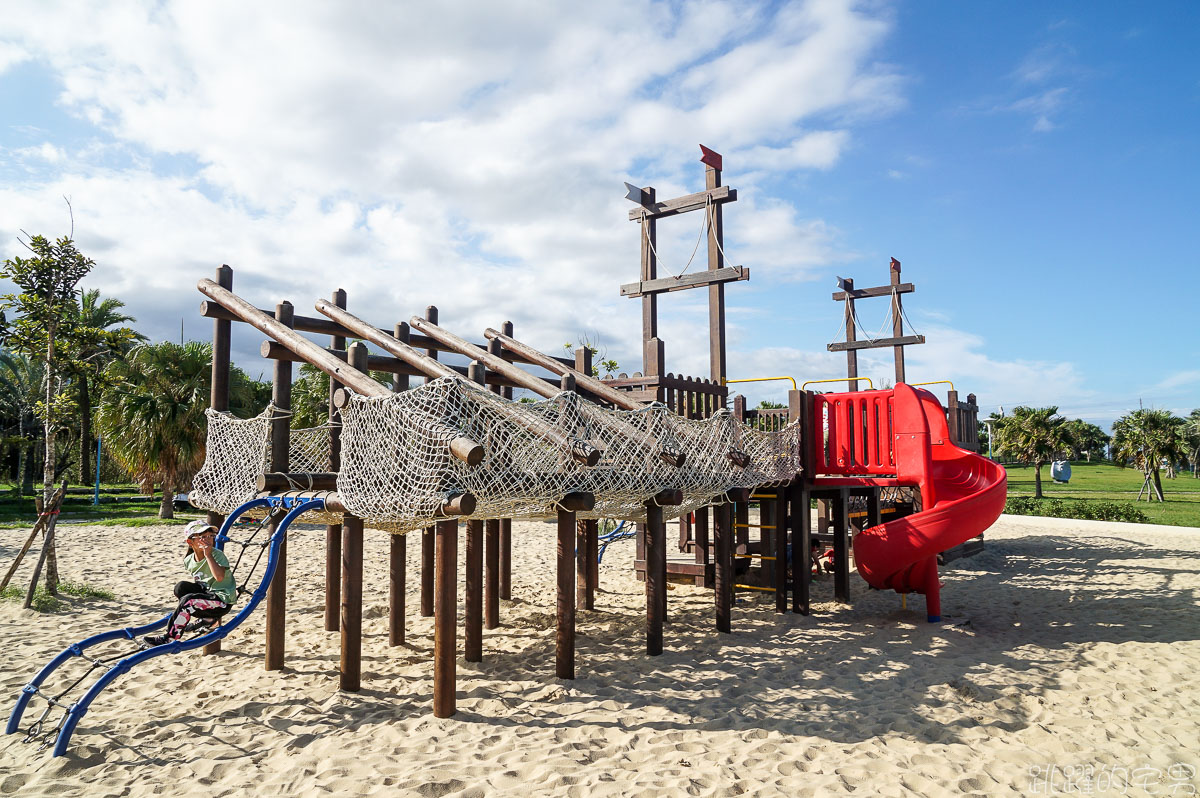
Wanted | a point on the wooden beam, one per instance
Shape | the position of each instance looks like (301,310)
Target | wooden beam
(281,397)
(333,532)
(905,340)
(723,565)
(656,578)
(665,285)
(350,664)
(397,567)
(491,573)
(882,290)
(219,393)
(690,202)
(276,481)
(473,610)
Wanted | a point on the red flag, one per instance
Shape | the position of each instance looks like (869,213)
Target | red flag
(710,157)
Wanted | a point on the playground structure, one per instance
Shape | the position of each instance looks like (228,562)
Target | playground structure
(644,448)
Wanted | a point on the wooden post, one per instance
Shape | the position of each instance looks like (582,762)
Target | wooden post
(585,571)
(656,578)
(505,580)
(874,508)
(333,532)
(851,354)
(593,563)
(700,545)
(398,544)
(841,552)
(281,397)
(352,576)
(649,271)
(781,546)
(952,417)
(801,546)
(473,619)
(716,292)
(723,580)
(219,391)
(491,548)
(897,321)
(445,609)
(427,535)
(564,630)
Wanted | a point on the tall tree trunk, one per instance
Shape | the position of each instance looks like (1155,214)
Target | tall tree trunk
(166,508)
(48,466)
(1037,480)
(1158,486)
(86,447)
(27,453)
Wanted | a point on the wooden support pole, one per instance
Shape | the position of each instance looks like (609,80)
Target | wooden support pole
(445,610)
(716,293)
(564,627)
(473,617)
(219,390)
(505,580)
(397,556)
(333,532)
(491,574)
(841,550)
(427,535)
(851,334)
(897,320)
(649,271)
(874,508)
(593,563)
(723,566)
(581,566)
(281,397)
(780,538)
(700,543)
(801,546)
(656,578)
(350,671)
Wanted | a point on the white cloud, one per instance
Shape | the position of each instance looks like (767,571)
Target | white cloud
(468,156)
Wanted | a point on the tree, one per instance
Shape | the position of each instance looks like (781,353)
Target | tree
(100,315)
(1191,432)
(1144,438)
(152,415)
(1086,439)
(1033,435)
(47,328)
(20,383)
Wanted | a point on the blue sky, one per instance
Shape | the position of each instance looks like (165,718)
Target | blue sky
(1033,166)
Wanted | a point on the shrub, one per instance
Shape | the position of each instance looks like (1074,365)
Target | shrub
(1084,509)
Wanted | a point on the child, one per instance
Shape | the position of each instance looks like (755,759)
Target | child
(213,592)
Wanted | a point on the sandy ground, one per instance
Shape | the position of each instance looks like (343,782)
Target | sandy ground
(1066,664)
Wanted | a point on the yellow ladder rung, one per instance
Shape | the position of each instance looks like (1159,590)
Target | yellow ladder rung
(756,587)
(752,557)
(754,526)
(761,496)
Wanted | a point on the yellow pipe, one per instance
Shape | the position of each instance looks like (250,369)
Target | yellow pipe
(756,587)
(752,557)
(753,526)
(903,601)
(839,379)
(766,379)
(935,382)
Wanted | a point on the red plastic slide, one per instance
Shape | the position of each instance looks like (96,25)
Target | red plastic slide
(962,494)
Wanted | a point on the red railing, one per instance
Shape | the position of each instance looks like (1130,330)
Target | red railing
(857,437)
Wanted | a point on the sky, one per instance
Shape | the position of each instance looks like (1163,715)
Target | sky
(1033,166)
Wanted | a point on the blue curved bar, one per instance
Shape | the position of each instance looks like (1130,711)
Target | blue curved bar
(79,708)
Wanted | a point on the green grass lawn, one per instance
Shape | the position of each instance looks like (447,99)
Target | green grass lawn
(119,505)
(1108,482)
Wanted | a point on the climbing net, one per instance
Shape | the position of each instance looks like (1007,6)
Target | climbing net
(397,467)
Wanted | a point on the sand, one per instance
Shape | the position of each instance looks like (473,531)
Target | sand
(1066,663)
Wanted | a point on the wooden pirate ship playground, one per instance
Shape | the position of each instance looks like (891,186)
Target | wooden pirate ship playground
(895,475)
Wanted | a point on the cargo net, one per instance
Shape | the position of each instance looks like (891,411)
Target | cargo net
(397,468)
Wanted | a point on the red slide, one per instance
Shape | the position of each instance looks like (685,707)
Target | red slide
(962,494)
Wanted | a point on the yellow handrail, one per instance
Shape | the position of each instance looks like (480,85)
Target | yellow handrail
(839,379)
(935,382)
(765,379)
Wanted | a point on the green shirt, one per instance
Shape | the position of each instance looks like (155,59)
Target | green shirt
(200,569)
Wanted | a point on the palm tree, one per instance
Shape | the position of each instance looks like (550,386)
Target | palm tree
(1145,438)
(1191,431)
(20,386)
(1033,435)
(102,315)
(152,415)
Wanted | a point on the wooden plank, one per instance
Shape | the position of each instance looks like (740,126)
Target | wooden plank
(780,539)
(473,615)
(350,670)
(445,609)
(841,552)
(564,621)
(690,202)
(883,290)
(665,285)
(904,340)
(801,527)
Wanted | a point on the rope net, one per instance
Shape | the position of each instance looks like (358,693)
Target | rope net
(397,468)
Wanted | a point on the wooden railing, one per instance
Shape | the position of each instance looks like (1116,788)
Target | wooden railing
(691,397)
(770,419)
(962,419)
